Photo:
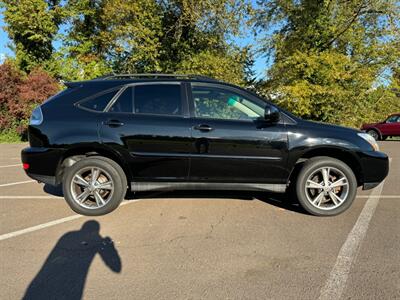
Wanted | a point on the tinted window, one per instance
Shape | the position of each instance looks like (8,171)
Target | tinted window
(160,99)
(124,102)
(393,119)
(99,102)
(222,104)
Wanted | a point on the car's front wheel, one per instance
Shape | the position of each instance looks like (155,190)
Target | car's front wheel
(374,134)
(326,186)
(94,186)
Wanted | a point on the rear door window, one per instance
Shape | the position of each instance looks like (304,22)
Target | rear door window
(124,103)
(158,99)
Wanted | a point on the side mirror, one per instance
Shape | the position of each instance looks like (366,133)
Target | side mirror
(272,114)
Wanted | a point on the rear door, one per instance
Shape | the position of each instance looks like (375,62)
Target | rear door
(231,141)
(149,122)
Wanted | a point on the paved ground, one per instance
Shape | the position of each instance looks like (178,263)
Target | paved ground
(196,246)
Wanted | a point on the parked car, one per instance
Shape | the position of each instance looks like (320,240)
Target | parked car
(382,130)
(99,138)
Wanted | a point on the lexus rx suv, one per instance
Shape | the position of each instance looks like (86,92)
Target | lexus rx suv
(143,132)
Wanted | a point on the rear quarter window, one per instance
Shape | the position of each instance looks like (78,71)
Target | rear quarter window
(98,102)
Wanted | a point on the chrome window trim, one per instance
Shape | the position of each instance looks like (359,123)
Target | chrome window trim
(80,102)
(133,85)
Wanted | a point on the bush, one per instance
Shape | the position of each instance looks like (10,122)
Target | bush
(19,94)
(10,136)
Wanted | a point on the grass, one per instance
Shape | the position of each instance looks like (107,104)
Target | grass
(10,136)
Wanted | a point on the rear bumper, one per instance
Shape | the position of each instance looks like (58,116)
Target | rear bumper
(43,163)
(51,180)
(375,168)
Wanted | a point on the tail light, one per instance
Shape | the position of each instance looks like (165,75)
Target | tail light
(25,166)
(36,117)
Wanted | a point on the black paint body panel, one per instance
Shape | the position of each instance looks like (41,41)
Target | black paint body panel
(168,148)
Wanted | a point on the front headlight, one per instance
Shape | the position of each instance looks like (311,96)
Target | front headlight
(370,140)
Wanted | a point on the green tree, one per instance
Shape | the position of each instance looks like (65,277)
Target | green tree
(329,56)
(82,55)
(133,35)
(175,36)
(32,26)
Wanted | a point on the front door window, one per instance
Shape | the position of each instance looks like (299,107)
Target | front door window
(222,104)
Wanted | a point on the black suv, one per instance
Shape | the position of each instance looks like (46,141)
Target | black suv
(145,132)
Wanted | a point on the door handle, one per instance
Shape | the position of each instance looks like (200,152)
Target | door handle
(113,123)
(203,127)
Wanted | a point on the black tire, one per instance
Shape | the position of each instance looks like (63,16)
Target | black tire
(115,173)
(384,137)
(374,133)
(314,164)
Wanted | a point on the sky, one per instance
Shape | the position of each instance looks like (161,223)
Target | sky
(259,67)
(4,50)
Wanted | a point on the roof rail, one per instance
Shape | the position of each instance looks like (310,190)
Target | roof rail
(154,75)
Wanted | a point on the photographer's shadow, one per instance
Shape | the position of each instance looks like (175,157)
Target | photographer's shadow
(64,272)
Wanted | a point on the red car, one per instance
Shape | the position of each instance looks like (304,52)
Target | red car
(381,130)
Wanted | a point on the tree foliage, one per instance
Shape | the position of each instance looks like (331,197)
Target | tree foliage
(20,93)
(32,25)
(330,57)
(333,61)
(168,36)
(134,36)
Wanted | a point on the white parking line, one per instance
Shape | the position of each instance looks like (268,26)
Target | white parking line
(49,224)
(336,283)
(15,183)
(38,227)
(9,166)
(377,196)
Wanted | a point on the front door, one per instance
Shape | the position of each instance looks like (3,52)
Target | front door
(150,123)
(231,141)
(391,126)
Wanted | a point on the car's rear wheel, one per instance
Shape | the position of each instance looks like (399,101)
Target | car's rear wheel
(326,186)
(94,186)
(374,134)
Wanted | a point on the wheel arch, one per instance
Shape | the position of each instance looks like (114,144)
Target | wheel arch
(375,129)
(77,153)
(346,156)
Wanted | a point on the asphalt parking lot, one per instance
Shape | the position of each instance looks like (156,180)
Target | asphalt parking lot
(198,245)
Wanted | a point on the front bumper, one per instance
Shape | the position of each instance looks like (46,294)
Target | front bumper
(374,167)
(43,163)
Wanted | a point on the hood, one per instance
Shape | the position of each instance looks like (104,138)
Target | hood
(327,126)
(371,124)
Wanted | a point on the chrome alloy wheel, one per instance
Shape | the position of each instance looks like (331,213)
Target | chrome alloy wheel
(374,134)
(327,188)
(92,187)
